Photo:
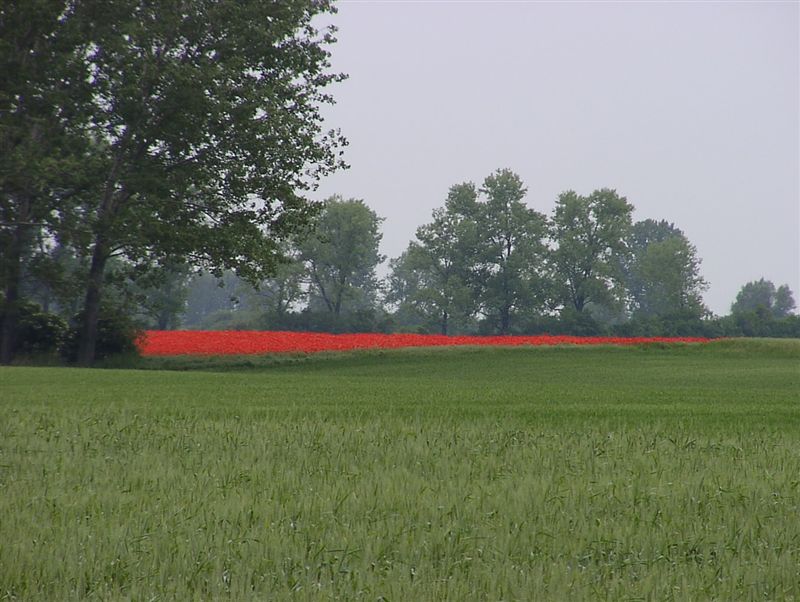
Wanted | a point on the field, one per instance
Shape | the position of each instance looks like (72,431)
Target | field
(231,342)
(663,472)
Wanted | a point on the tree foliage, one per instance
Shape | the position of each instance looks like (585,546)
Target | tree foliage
(198,125)
(762,294)
(44,95)
(590,235)
(432,277)
(662,271)
(511,252)
(341,256)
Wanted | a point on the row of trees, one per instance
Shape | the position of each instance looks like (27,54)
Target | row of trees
(488,263)
(485,263)
(141,135)
(142,142)
(487,254)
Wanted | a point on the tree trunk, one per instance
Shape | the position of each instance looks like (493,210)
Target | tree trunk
(505,319)
(12,273)
(444,322)
(91,307)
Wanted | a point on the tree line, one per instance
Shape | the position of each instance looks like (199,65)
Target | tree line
(485,263)
(157,163)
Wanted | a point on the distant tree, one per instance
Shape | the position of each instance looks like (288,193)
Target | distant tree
(511,249)
(432,276)
(53,278)
(341,257)
(161,295)
(784,303)
(207,294)
(649,231)
(276,296)
(590,234)
(663,272)
(763,294)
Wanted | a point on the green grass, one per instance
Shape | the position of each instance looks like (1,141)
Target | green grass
(652,473)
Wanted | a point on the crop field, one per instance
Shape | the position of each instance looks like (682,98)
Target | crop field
(660,472)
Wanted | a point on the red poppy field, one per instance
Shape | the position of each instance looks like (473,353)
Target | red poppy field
(197,342)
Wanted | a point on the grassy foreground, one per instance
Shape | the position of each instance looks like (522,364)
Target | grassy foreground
(659,473)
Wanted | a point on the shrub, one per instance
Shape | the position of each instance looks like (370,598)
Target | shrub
(116,334)
(38,332)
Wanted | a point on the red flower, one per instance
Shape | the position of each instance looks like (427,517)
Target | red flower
(242,342)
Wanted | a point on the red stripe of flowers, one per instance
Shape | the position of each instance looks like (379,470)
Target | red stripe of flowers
(243,342)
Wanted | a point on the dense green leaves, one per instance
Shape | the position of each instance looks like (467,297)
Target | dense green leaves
(663,272)
(483,253)
(196,127)
(590,233)
(511,250)
(44,96)
(341,256)
(762,294)
(433,276)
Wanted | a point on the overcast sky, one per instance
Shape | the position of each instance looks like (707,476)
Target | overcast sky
(688,109)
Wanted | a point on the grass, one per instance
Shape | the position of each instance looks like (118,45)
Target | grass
(653,473)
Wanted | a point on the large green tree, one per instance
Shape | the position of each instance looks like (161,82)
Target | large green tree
(662,272)
(511,249)
(44,105)
(203,134)
(210,117)
(762,294)
(341,257)
(432,276)
(275,297)
(590,234)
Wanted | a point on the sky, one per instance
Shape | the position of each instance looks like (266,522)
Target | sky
(691,110)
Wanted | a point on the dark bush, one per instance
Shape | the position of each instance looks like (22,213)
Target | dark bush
(116,334)
(578,323)
(759,323)
(37,332)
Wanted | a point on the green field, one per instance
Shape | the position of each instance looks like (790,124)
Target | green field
(657,473)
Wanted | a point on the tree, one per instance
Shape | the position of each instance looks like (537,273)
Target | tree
(783,303)
(432,275)
(762,294)
(341,256)
(511,247)
(208,294)
(161,295)
(662,272)
(590,234)
(43,99)
(52,278)
(203,131)
(276,296)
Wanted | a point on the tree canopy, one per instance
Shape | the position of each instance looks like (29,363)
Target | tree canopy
(197,125)
(511,249)
(590,234)
(662,271)
(762,294)
(342,254)
(433,275)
